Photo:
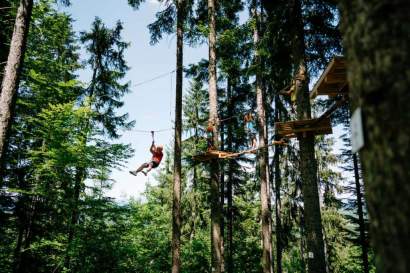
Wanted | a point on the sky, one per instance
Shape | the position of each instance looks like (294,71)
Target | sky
(150,104)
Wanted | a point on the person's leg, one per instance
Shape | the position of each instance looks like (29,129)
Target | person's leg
(143,166)
(150,166)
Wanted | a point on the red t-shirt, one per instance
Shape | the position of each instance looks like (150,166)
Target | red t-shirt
(157,156)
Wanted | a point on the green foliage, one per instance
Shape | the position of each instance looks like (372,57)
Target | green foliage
(106,60)
(54,214)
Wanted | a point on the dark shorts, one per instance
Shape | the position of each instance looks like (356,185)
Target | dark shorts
(154,163)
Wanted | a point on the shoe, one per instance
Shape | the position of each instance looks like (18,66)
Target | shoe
(134,173)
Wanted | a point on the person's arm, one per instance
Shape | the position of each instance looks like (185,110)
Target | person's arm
(153,148)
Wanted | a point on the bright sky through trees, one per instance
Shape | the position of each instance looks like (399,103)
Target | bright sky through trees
(148,104)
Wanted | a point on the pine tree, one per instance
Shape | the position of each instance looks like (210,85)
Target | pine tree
(103,97)
(176,204)
(47,78)
(12,70)
(216,216)
(377,68)
(263,156)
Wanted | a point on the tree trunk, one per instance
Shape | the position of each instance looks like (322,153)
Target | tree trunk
(79,180)
(302,244)
(278,203)
(176,202)
(363,241)
(229,192)
(263,157)
(308,166)
(214,165)
(376,37)
(222,194)
(12,71)
(313,220)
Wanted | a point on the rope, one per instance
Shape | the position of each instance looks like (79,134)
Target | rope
(170,105)
(155,78)
(150,131)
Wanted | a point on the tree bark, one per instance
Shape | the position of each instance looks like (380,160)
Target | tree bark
(229,192)
(308,166)
(12,70)
(75,211)
(214,166)
(222,196)
(278,202)
(176,202)
(363,241)
(376,37)
(263,157)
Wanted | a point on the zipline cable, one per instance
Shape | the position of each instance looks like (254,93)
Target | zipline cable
(150,131)
(170,106)
(155,78)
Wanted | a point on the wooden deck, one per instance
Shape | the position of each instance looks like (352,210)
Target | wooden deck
(215,154)
(294,128)
(333,80)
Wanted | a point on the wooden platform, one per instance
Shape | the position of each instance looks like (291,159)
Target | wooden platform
(333,80)
(212,154)
(215,154)
(294,128)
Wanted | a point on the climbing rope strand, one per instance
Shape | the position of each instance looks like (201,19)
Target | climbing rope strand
(149,131)
(155,78)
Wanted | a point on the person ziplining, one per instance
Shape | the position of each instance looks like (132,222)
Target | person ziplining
(157,155)
(156,150)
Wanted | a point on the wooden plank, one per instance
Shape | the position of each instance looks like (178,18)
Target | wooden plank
(314,126)
(335,78)
(332,80)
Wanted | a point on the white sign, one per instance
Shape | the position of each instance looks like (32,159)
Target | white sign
(356,125)
(310,255)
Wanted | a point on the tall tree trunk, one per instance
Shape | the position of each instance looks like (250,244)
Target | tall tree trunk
(363,241)
(78,187)
(222,194)
(263,157)
(229,192)
(308,165)
(176,201)
(386,97)
(214,166)
(278,202)
(81,174)
(376,37)
(12,70)
(302,243)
